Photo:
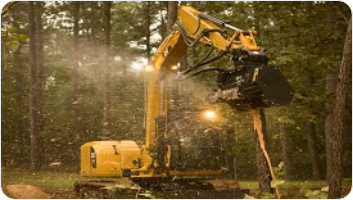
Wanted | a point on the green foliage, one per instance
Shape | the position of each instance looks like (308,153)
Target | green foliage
(276,182)
(11,39)
(304,39)
(268,195)
(44,180)
(279,171)
(317,194)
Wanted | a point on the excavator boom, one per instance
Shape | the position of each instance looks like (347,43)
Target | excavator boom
(248,83)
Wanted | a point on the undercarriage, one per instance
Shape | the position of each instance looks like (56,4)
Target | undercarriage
(161,188)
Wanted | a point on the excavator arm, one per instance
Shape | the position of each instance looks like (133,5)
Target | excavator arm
(192,27)
(248,83)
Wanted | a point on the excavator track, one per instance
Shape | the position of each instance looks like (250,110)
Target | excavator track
(187,189)
(204,189)
(105,190)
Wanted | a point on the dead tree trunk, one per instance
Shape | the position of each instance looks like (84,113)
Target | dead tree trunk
(265,177)
(335,176)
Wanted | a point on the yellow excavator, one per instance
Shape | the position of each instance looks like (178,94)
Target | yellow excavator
(165,161)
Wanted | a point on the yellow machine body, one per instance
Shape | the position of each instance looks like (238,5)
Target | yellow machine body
(109,158)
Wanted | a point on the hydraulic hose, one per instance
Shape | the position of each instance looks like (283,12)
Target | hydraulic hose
(202,71)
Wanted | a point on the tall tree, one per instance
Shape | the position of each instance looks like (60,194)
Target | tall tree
(20,98)
(286,153)
(335,176)
(172,14)
(76,99)
(313,151)
(147,28)
(33,82)
(163,28)
(39,74)
(106,80)
(331,82)
(311,128)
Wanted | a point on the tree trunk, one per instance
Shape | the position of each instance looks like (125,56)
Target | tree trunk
(147,29)
(265,177)
(163,28)
(106,80)
(283,129)
(172,14)
(335,174)
(20,124)
(314,156)
(312,142)
(286,157)
(19,86)
(230,156)
(331,82)
(39,60)
(32,82)
(40,76)
(76,101)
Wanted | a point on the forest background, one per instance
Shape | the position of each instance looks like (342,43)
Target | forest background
(88,81)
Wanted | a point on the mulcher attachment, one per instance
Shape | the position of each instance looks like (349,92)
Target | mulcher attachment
(255,87)
(251,83)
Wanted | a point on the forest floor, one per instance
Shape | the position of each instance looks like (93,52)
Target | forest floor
(59,185)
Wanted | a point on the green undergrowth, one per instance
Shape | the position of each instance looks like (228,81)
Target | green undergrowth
(46,180)
(43,180)
(53,181)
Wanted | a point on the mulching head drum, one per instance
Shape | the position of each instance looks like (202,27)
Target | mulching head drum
(256,87)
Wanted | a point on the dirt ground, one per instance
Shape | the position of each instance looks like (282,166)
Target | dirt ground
(62,194)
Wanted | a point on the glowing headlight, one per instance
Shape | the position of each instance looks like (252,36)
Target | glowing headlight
(148,68)
(209,114)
